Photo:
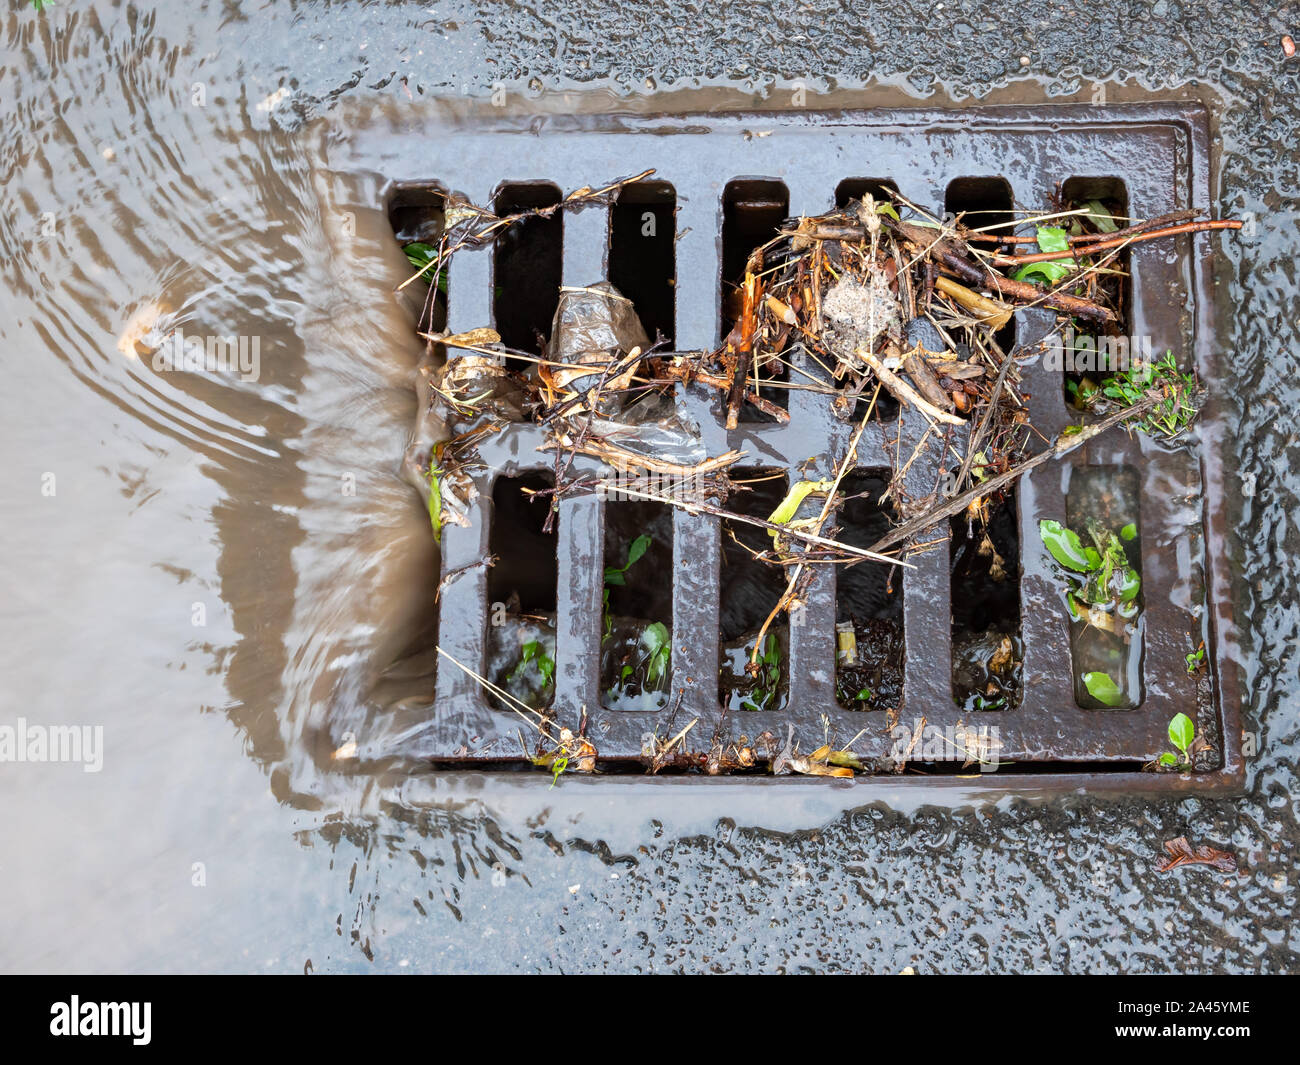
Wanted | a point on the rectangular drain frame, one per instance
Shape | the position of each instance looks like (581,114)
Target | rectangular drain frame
(1161,151)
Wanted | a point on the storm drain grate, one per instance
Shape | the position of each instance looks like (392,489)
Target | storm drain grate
(714,177)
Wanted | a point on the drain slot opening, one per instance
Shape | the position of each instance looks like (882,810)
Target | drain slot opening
(643,254)
(752,212)
(748,591)
(521,589)
(417,213)
(1090,355)
(985,201)
(1106,628)
(868,603)
(527,265)
(637,611)
(984,570)
(851,189)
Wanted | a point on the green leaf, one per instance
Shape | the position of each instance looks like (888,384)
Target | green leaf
(1100,217)
(420,254)
(435,503)
(655,636)
(1104,689)
(863,695)
(772,652)
(793,498)
(1129,532)
(1050,271)
(1168,759)
(1130,585)
(1066,547)
(888,208)
(1051,238)
(655,639)
(1181,732)
(637,549)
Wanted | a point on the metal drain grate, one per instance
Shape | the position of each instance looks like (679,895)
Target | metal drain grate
(1156,153)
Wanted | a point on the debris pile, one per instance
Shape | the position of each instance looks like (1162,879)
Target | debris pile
(875,305)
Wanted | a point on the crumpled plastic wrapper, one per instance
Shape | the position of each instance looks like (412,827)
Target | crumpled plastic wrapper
(593,326)
(477,383)
(653,428)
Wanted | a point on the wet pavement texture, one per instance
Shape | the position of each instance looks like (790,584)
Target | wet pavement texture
(227,565)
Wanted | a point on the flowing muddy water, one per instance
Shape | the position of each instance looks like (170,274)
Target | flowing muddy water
(217,568)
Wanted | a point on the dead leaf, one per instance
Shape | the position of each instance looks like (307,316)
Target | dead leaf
(1181,853)
(473,338)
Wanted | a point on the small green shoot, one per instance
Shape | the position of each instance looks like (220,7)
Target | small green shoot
(535,653)
(655,638)
(768,677)
(638,547)
(1050,238)
(1173,412)
(557,767)
(1181,734)
(1107,578)
(435,501)
(1101,588)
(1195,659)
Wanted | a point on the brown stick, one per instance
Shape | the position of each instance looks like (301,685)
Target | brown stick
(744,345)
(1115,240)
(683,373)
(1087,238)
(1024,292)
(903,392)
(610,453)
(926,382)
(1063,446)
(1021,291)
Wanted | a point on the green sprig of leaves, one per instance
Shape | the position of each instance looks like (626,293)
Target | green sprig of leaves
(1181,734)
(1049,238)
